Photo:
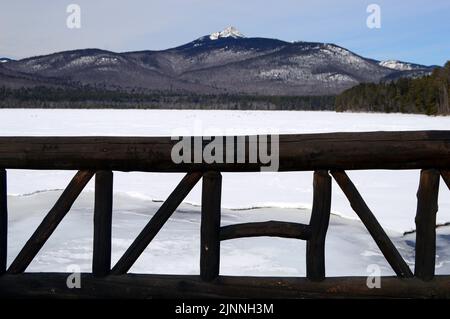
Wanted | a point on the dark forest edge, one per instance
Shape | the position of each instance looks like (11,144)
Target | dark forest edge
(426,95)
(87,97)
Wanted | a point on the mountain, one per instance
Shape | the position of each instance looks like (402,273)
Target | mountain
(405,69)
(402,66)
(222,62)
(4,60)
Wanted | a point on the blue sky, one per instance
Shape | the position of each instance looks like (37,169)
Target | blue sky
(411,30)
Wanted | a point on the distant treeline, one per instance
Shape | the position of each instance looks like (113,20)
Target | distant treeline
(91,97)
(426,95)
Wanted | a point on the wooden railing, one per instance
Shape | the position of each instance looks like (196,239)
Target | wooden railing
(328,155)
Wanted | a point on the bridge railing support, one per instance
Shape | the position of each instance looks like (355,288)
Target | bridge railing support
(324,154)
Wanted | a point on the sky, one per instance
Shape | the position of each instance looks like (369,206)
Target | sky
(411,30)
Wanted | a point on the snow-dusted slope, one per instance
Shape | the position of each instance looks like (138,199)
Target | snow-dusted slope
(405,70)
(401,66)
(292,69)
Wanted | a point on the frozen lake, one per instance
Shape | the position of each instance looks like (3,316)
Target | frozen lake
(390,194)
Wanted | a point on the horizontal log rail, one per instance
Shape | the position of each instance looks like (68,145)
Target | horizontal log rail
(145,286)
(266,229)
(307,152)
(328,155)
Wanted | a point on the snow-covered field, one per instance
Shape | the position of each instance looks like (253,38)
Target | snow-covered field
(279,196)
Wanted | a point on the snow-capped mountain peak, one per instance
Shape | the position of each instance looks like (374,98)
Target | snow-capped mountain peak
(230,32)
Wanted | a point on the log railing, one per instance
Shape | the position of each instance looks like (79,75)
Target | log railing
(328,155)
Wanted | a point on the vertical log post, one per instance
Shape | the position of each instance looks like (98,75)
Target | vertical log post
(3,222)
(101,262)
(427,207)
(320,217)
(210,226)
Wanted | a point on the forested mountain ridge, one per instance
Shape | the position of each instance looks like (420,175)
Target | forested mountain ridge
(425,95)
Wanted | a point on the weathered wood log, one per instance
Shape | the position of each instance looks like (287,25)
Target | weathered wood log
(210,226)
(269,229)
(53,285)
(3,222)
(101,261)
(320,217)
(50,222)
(156,223)
(446,177)
(360,207)
(308,152)
(427,207)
